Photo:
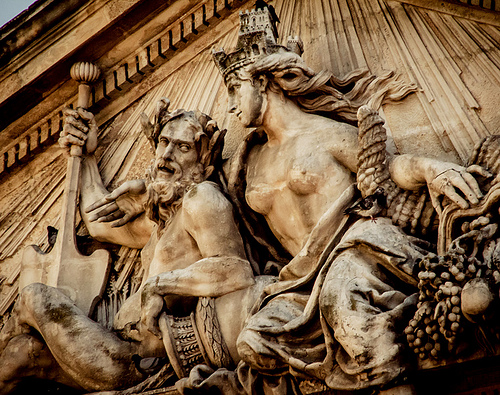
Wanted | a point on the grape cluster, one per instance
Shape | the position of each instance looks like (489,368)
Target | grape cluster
(439,321)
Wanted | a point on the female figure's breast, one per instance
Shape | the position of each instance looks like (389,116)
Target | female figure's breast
(294,193)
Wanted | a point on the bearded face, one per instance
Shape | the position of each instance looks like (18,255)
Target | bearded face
(175,170)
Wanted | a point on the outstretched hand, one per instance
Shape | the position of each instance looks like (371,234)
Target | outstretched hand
(80,128)
(456,183)
(120,206)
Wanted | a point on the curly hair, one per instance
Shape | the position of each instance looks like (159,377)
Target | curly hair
(323,93)
(209,139)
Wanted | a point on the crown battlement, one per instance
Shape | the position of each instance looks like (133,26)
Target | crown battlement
(257,38)
(258,21)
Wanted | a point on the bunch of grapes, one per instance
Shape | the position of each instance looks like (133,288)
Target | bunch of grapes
(438,321)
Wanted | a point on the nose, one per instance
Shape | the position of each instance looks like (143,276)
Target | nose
(231,105)
(169,150)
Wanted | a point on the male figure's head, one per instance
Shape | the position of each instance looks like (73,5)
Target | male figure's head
(188,147)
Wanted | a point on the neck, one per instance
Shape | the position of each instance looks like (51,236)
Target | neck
(283,118)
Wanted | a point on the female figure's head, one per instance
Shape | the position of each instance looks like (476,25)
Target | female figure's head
(286,74)
(246,97)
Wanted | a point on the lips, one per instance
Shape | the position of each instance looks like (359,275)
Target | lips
(167,170)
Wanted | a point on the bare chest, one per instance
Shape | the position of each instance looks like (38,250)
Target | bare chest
(293,186)
(174,248)
(294,171)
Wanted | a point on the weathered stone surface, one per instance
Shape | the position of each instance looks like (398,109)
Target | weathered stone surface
(353,213)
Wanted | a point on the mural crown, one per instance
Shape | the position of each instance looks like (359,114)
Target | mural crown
(257,38)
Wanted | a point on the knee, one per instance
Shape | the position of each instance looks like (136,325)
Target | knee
(32,300)
(32,291)
(243,344)
(329,301)
(256,351)
(27,296)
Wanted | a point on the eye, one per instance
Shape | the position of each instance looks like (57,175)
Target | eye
(232,88)
(184,147)
(163,141)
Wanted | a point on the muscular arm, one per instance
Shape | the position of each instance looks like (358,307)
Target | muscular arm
(442,179)
(207,216)
(211,277)
(411,172)
(80,128)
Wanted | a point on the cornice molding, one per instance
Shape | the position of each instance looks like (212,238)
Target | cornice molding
(120,84)
(473,13)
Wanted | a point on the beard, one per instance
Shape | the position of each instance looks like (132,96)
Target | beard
(165,196)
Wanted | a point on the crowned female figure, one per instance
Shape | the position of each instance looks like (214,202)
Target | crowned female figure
(334,315)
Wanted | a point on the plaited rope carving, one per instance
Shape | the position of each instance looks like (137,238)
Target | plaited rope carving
(411,210)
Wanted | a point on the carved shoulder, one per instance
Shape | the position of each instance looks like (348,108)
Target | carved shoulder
(208,217)
(343,144)
(204,199)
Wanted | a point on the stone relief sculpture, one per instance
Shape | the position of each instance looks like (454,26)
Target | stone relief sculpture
(337,310)
(184,224)
(337,247)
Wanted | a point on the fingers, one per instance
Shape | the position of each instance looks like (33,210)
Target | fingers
(111,197)
(479,170)
(74,130)
(435,202)
(473,185)
(70,140)
(458,180)
(86,115)
(458,185)
(76,124)
(152,326)
(151,307)
(121,190)
(122,221)
(70,112)
(450,192)
(100,215)
(97,204)
(111,217)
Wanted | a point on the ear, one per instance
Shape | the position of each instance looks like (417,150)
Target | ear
(262,81)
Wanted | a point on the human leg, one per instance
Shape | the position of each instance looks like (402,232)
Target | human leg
(27,356)
(96,359)
(266,344)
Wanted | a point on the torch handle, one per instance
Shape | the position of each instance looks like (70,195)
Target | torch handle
(83,102)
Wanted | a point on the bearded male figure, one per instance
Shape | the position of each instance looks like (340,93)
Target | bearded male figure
(185,225)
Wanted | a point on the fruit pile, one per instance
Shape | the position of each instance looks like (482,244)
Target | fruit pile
(439,320)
